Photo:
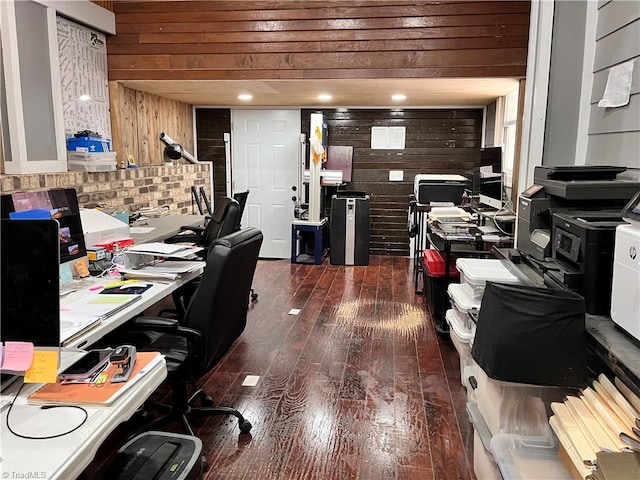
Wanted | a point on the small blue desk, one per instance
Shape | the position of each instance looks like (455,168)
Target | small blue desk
(320,240)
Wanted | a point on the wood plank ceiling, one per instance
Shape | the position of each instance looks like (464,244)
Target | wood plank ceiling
(286,52)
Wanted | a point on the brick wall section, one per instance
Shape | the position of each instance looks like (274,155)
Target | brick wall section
(127,189)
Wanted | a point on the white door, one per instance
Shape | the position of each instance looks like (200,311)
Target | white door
(264,155)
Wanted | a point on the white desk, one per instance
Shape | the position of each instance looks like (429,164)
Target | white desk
(157,292)
(67,456)
(164,227)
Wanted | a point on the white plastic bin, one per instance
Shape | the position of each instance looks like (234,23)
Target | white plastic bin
(523,458)
(484,466)
(518,408)
(462,298)
(461,337)
(91,162)
(476,272)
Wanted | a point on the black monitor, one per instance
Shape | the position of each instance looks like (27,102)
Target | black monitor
(29,288)
(60,204)
(490,181)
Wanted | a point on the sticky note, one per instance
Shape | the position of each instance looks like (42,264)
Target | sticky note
(66,275)
(17,356)
(43,369)
(1,352)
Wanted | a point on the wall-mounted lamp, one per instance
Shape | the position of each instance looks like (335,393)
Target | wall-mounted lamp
(174,150)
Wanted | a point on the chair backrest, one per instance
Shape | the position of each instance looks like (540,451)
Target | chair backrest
(219,305)
(241,198)
(223,221)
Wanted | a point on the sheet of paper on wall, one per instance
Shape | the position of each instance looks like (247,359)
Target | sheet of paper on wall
(618,89)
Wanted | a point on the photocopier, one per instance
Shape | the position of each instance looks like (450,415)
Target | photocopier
(566,226)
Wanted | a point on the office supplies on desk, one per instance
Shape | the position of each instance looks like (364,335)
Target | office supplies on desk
(88,394)
(158,248)
(171,270)
(87,311)
(124,359)
(92,362)
(136,288)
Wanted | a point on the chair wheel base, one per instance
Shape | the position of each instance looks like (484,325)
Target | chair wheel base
(245,426)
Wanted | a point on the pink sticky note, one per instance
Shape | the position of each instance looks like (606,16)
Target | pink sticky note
(17,355)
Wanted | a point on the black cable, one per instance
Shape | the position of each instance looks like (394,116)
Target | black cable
(46,407)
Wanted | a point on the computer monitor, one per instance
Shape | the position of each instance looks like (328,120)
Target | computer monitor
(60,204)
(29,291)
(490,181)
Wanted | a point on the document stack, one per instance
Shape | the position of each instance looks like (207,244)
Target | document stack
(89,152)
(148,260)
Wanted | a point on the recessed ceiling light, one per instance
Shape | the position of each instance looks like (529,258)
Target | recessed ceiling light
(398,97)
(85,97)
(245,96)
(324,96)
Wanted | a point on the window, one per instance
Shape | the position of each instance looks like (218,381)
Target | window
(509,133)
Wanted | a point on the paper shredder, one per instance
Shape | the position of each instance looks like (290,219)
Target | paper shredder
(350,228)
(158,456)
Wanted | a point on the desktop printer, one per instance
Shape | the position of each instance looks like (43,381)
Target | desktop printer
(582,251)
(556,189)
(625,293)
(439,188)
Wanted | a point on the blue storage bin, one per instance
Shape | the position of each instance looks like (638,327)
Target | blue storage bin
(88,144)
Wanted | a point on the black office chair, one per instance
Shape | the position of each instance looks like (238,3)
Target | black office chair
(214,319)
(241,198)
(225,220)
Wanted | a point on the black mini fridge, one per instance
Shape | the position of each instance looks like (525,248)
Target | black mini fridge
(350,228)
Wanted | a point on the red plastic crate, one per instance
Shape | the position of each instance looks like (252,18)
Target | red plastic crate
(434,264)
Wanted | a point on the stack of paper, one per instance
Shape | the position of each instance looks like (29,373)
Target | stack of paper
(88,311)
(173,250)
(171,269)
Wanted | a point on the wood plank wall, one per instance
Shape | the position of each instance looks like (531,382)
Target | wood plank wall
(138,118)
(106,4)
(211,125)
(437,141)
(195,40)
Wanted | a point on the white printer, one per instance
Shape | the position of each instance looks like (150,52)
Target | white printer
(439,188)
(625,288)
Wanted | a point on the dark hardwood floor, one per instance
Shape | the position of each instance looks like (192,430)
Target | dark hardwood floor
(356,386)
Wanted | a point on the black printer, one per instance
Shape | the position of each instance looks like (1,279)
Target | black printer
(555,189)
(582,252)
(566,227)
